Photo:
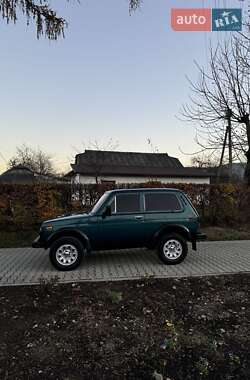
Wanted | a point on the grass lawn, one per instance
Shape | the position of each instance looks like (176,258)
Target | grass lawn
(15,239)
(179,329)
(24,238)
(220,233)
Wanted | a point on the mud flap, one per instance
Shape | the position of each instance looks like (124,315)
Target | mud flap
(194,245)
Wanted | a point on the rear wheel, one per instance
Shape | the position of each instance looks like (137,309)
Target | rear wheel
(172,249)
(66,253)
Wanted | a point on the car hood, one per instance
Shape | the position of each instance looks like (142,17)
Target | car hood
(67,219)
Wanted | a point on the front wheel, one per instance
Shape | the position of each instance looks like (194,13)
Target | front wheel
(172,249)
(66,253)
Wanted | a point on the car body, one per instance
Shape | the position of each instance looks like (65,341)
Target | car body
(123,218)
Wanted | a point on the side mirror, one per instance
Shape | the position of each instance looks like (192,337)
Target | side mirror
(107,212)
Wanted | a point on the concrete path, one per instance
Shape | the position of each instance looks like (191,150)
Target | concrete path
(23,266)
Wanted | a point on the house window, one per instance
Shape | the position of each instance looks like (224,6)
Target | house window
(107,182)
(125,203)
(162,202)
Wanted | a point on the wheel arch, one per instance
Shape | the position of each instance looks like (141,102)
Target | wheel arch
(178,229)
(81,236)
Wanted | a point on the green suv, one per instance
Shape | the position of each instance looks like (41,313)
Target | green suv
(154,218)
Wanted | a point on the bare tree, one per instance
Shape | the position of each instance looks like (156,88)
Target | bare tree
(222,93)
(204,161)
(46,19)
(134,4)
(47,22)
(34,159)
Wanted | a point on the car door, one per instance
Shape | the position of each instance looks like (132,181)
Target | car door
(161,209)
(124,228)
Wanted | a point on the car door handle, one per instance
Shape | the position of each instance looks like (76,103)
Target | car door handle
(139,217)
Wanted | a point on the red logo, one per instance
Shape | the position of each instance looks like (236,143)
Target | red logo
(191,19)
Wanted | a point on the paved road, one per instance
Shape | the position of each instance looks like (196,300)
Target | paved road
(22,266)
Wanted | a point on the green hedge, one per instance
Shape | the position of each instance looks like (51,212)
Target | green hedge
(25,206)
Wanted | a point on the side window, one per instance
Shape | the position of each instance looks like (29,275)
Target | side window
(162,202)
(127,203)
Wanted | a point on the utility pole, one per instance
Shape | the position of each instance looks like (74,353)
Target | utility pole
(222,155)
(230,148)
(228,135)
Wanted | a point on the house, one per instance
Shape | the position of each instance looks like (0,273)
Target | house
(23,175)
(111,167)
(18,175)
(238,171)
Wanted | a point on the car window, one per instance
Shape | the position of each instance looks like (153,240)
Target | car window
(162,202)
(126,203)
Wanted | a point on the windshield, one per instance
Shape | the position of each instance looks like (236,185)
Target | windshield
(99,203)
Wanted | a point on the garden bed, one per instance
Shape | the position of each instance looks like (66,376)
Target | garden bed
(180,328)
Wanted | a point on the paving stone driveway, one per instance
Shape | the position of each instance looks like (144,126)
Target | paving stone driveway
(23,266)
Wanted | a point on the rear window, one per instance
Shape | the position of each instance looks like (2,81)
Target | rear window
(126,203)
(162,202)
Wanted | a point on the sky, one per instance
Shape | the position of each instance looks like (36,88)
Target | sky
(113,76)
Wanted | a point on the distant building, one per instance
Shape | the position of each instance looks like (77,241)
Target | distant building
(23,175)
(18,175)
(68,176)
(113,167)
(238,171)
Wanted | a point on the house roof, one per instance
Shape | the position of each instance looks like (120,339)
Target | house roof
(18,174)
(23,175)
(113,158)
(69,174)
(93,162)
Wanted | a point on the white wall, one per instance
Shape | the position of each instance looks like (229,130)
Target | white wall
(79,178)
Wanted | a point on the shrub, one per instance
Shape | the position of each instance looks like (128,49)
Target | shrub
(25,206)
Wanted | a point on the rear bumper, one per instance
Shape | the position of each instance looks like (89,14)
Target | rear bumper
(200,236)
(38,243)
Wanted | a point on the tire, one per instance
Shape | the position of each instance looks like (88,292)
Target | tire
(172,249)
(66,253)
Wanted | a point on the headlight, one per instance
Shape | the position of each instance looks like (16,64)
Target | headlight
(48,228)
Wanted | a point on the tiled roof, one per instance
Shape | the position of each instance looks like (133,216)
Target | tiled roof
(113,158)
(93,162)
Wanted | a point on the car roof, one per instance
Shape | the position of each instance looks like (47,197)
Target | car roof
(146,189)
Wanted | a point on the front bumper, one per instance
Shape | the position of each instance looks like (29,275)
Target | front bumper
(38,243)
